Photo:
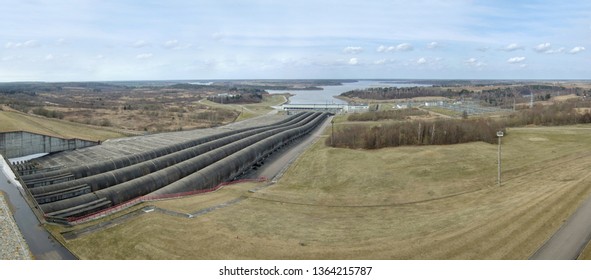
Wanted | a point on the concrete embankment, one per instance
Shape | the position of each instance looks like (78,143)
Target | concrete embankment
(21,143)
(21,234)
(12,243)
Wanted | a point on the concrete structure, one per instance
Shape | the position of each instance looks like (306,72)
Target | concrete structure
(329,108)
(21,143)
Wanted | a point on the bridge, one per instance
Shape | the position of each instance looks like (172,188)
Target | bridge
(75,184)
(329,108)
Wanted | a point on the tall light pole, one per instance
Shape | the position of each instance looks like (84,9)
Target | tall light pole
(500,135)
(332,132)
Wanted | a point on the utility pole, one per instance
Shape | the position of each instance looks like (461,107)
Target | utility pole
(332,132)
(499,134)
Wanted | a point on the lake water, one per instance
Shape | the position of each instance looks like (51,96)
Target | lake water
(326,96)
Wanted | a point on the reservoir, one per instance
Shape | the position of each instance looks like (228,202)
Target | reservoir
(326,96)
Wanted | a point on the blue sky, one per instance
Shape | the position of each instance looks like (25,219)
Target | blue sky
(76,40)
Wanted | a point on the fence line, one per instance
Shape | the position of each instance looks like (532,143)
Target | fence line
(135,201)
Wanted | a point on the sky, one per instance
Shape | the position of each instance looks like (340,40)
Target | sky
(106,40)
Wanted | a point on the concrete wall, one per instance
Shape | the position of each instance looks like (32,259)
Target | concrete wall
(20,143)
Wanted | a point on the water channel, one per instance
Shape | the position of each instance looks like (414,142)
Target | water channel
(327,94)
(41,244)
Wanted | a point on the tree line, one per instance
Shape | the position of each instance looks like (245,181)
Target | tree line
(386,93)
(498,96)
(236,98)
(386,115)
(439,132)
(453,131)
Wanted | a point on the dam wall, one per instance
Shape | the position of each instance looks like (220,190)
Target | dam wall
(21,143)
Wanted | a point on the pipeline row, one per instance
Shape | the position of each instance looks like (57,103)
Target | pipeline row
(203,165)
(109,177)
(66,174)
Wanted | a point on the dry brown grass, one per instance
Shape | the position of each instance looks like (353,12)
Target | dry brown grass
(438,202)
(15,121)
(248,111)
(201,201)
(562,98)
(586,254)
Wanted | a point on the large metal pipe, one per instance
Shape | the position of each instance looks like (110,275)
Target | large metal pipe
(107,179)
(235,164)
(238,156)
(103,166)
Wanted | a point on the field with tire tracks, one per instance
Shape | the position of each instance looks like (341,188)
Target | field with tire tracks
(421,202)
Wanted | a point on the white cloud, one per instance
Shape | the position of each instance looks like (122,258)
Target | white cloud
(49,57)
(474,62)
(100,56)
(353,61)
(353,50)
(547,48)
(144,55)
(26,44)
(559,50)
(433,45)
(516,59)
(512,47)
(383,48)
(404,47)
(380,62)
(543,47)
(140,44)
(171,44)
(175,45)
(384,61)
(421,61)
(576,50)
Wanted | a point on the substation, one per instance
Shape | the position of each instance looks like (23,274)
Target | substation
(72,184)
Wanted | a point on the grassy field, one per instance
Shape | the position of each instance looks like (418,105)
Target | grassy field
(251,110)
(11,120)
(15,121)
(427,202)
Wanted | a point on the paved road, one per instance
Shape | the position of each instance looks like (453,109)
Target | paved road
(570,240)
(277,163)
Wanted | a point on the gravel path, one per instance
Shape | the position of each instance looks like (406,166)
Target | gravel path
(12,244)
